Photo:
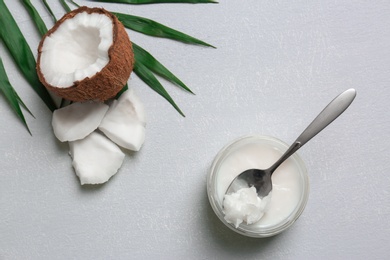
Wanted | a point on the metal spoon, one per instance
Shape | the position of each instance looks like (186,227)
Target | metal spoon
(261,179)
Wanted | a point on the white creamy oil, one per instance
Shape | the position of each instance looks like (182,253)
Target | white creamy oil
(287,185)
(245,206)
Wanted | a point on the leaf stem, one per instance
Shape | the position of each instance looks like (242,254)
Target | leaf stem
(147,76)
(73,2)
(50,11)
(153,28)
(12,97)
(65,6)
(144,57)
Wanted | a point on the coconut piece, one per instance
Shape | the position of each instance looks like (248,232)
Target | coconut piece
(77,120)
(95,158)
(130,100)
(87,55)
(124,122)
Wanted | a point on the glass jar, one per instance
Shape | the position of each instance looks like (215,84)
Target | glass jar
(290,182)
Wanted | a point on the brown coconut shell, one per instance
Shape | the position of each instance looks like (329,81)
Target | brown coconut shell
(112,78)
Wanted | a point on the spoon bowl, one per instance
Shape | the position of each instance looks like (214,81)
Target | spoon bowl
(261,178)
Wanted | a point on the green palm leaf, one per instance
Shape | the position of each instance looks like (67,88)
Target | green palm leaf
(50,11)
(65,6)
(152,28)
(11,95)
(147,76)
(126,87)
(35,16)
(144,57)
(73,2)
(140,2)
(21,53)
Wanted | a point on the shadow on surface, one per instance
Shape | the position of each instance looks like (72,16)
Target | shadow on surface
(63,147)
(90,188)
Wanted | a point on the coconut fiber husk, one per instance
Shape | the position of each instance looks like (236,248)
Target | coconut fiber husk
(112,78)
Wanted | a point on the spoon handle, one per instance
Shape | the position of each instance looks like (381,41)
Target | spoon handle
(335,108)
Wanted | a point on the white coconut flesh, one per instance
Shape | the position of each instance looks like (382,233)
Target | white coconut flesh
(77,49)
(77,120)
(95,158)
(124,122)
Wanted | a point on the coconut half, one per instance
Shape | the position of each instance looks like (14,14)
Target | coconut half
(87,55)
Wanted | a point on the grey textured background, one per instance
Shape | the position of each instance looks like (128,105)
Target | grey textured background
(277,64)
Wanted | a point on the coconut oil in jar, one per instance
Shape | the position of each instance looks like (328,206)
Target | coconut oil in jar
(290,183)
